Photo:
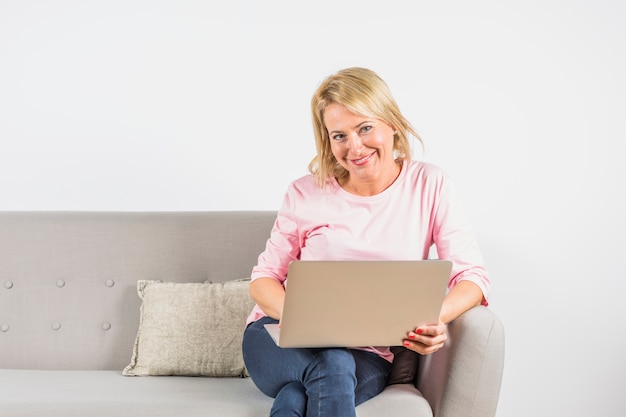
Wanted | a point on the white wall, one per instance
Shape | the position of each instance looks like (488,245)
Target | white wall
(198,105)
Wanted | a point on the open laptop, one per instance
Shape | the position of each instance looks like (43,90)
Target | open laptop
(359,303)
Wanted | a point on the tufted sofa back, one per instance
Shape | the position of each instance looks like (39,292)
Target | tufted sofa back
(68,280)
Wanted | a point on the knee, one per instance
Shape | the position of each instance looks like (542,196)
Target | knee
(339,359)
(335,364)
(289,400)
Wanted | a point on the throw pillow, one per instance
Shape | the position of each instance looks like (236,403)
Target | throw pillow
(192,329)
(404,367)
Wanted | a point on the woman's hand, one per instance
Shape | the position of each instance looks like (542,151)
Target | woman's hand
(427,339)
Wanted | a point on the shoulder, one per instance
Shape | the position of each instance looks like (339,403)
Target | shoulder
(425,172)
(307,185)
(304,184)
(305,188)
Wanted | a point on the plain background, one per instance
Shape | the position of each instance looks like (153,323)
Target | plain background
(142,105)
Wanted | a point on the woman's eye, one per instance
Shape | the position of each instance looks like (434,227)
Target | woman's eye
(339,137)
(366,129)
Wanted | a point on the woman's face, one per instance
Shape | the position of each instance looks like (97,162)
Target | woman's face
(364,147)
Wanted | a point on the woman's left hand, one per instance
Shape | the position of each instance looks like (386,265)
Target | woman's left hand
(427,339)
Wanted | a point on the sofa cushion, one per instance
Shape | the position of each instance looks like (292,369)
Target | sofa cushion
(192,329)
(27,393)
(109,394)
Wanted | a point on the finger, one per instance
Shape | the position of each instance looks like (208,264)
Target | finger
(427,337)
(422,348)
(433,330)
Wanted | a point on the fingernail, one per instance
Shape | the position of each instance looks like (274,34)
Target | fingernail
(419,331)
(406,344)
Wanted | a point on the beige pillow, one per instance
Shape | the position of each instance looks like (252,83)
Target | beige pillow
(192,329)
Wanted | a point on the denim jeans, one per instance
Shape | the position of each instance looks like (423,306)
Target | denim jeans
(327,382)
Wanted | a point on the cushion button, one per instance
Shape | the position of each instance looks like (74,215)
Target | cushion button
(60,283)
(106,325)
(56,325)
(8,285)
(109,283)
(4,328)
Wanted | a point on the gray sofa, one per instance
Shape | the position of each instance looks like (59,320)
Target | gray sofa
(70,314)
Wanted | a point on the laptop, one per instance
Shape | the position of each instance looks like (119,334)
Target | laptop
(359,303)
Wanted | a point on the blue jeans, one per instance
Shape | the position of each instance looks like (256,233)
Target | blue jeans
(311,382)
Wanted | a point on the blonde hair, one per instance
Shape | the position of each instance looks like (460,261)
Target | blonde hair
(362,92)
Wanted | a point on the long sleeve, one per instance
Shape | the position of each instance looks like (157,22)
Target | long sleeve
(455,240)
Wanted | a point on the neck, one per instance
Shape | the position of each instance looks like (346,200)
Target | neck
(374,187)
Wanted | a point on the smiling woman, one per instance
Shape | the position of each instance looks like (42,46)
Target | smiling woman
(363,200)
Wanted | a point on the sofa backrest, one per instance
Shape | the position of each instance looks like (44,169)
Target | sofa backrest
(68,280)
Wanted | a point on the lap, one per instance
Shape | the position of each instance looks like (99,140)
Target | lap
(272,367)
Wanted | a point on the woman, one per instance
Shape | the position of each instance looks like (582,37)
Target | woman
(364,199)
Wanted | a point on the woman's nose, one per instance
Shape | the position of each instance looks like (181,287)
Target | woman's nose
(355,144)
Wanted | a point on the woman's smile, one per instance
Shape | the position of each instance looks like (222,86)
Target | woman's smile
(362,161)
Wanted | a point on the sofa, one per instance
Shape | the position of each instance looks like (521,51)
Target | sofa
(141,314)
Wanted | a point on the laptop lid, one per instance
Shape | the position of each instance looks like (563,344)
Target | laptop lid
(359,303)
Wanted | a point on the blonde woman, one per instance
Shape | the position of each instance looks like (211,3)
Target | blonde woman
(365,198)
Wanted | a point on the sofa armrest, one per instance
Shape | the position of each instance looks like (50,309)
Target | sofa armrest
(463,378)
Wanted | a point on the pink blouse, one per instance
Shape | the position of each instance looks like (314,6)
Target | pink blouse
(420,209)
